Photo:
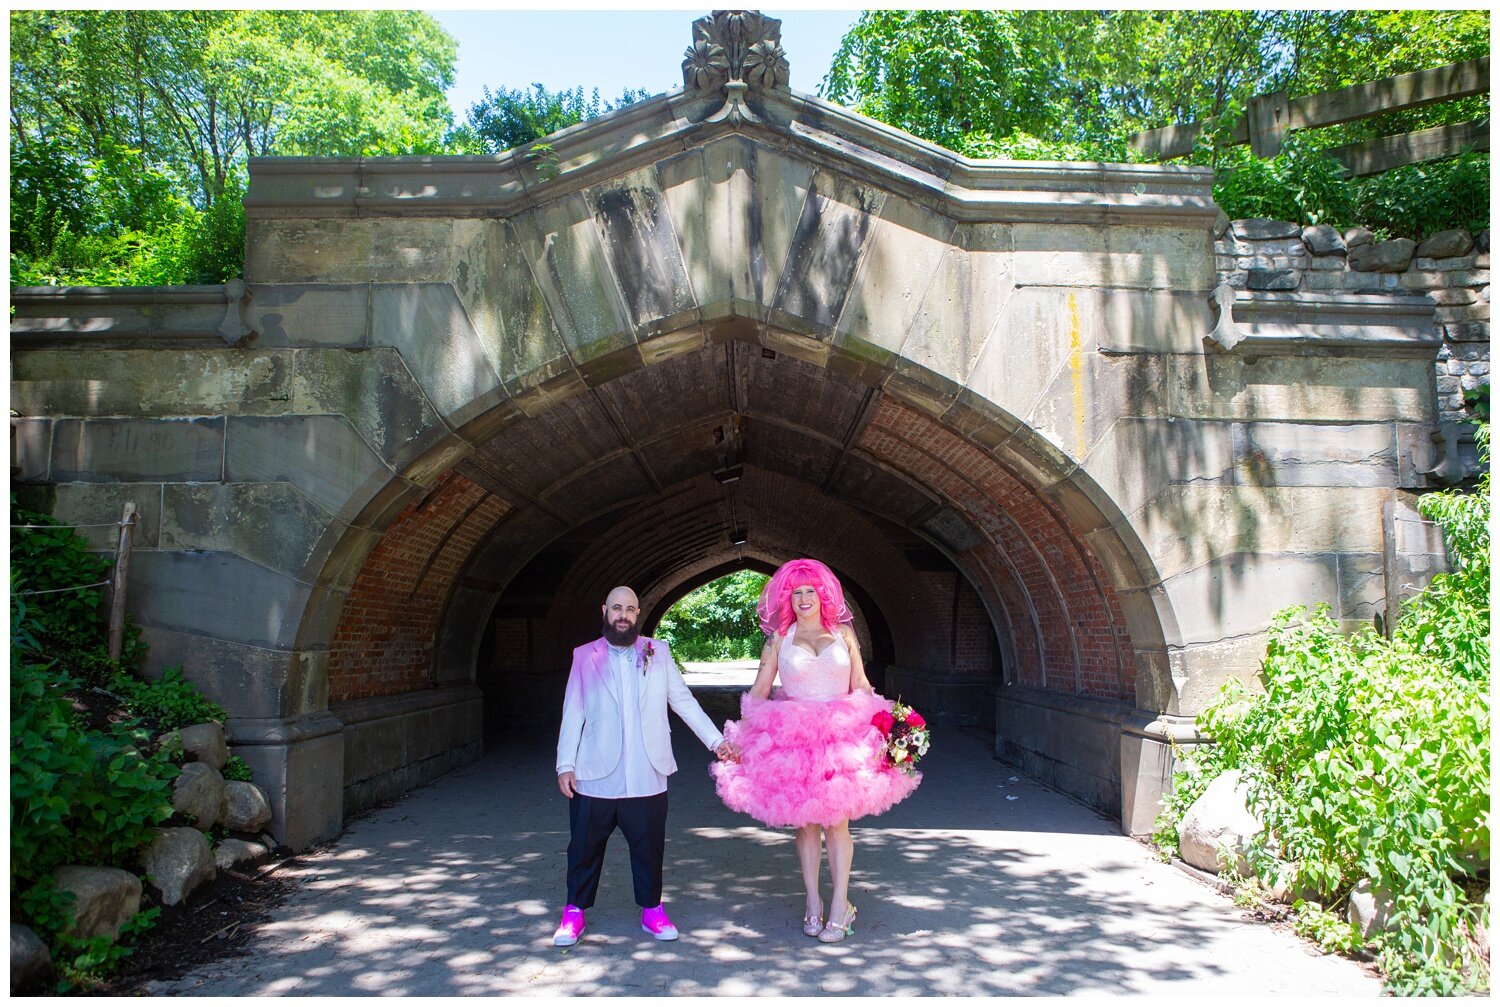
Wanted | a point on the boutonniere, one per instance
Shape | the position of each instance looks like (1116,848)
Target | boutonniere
(647,653)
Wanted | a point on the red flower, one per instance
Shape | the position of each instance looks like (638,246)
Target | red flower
(915,719)
(884,721)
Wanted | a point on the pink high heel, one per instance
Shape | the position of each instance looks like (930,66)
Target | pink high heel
(835,932)
(812,924)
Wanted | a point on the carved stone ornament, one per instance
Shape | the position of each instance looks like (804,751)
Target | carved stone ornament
(739,51)
(1226,335)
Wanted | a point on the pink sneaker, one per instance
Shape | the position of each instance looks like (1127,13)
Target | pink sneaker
(655,923)
(570,929)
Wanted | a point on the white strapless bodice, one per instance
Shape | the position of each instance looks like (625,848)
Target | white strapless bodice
(813,676)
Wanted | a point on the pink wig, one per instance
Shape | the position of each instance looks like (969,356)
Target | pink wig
(775,604)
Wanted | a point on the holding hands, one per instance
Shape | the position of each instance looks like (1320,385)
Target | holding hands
(727,752)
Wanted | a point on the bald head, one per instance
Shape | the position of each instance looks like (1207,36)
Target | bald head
(621,610)
(622,595)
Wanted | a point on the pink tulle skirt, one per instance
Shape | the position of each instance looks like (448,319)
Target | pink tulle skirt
(805,761)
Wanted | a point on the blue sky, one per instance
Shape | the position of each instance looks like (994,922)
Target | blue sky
(611,50)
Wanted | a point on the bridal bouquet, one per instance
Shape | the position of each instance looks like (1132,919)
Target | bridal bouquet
(906,736)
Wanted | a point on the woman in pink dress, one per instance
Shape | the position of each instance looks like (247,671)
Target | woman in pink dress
(810,757)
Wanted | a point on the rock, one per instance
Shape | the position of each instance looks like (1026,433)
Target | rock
(1482,241)
(198,794)
(200,743)
(244,807)
(1321,239)
(1356,236)
(232,852)
(177,862)
(1369,910)
(1219,819)
(104,898)
(1262,229)
(1446,244)
(1221,225)
(29,958)
(1383,257)
(1273,279)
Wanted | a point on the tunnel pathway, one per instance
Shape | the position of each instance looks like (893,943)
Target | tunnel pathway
(983,883)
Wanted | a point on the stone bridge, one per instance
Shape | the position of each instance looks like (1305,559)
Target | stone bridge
(385,481)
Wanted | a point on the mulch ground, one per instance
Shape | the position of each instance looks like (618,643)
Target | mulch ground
(215,924)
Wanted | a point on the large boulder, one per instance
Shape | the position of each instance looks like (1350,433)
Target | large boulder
(198,794)
(104,898)
(1446,244)
(1321,239)
(1356,236)
(1219,820)
(1383,257)
(234,852)
(29,958)
(244,807)
(200,743)
(178,861)
(1369,910)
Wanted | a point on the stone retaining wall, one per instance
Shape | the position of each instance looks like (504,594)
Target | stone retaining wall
(1451,267)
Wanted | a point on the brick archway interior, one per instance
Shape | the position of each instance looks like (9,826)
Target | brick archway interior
(652,478)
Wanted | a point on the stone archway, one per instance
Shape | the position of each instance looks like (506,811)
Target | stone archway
(449,384)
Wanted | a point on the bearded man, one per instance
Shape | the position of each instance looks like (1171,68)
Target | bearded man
(614,754)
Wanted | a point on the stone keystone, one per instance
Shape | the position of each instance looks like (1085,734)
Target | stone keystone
(177,862)
(104,899)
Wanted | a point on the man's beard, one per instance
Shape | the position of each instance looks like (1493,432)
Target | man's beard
(621,638)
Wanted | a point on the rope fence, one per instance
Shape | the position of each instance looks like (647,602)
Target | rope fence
(55,590)
(115,582)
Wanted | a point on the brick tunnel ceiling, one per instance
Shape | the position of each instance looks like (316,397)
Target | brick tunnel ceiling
(617,485)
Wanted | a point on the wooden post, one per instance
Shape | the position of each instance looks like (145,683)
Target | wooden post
(117,583)
(1269,116)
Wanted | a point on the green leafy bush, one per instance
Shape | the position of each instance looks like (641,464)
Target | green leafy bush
(238,769)
(77,797)
(1416,200)
(1369,758)
(1299,184)
(88,785)
(167,703)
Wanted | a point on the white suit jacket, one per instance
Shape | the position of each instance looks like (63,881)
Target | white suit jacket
(592,736)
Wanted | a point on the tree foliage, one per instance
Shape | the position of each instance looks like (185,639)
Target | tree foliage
(130,129)
(716,622)
(985,82)
(505,119)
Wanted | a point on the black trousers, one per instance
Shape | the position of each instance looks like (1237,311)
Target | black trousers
(593,820)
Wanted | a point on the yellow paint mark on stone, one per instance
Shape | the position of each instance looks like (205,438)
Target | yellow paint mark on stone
(1075,368)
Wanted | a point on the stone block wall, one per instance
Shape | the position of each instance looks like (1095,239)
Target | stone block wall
(1451,267)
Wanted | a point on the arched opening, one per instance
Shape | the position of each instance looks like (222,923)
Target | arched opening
(977,577)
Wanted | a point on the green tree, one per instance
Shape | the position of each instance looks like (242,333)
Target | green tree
(129,127)
(1074,83)
(716,622)
(505,119)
